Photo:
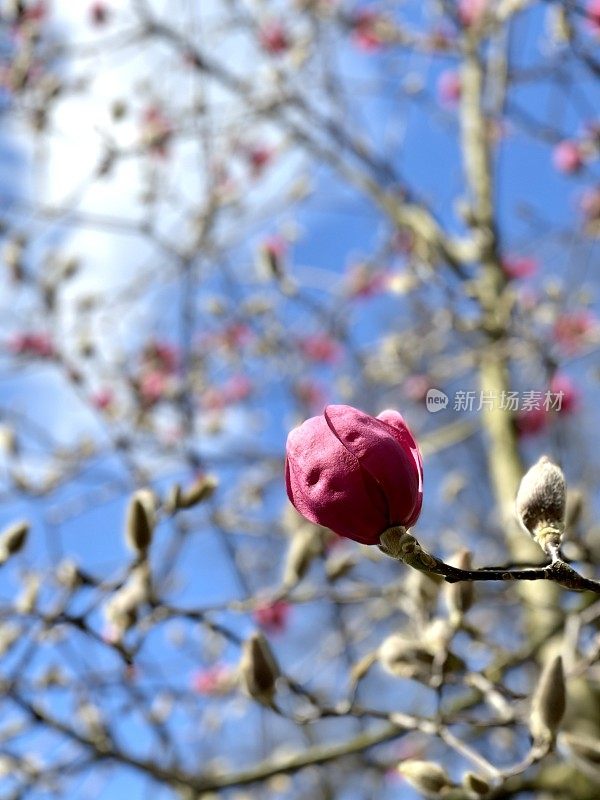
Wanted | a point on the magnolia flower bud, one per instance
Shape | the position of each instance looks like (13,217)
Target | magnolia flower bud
(258,669)
(202,488)
(13,539)
(141,518)
(475,784)
(425,776)
(549,702)
(304,547)
(541,502)
(460,595)
(356,474)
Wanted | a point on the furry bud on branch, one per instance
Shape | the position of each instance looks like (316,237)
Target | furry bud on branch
(259,669)
(549,702)
(140,521)
(475,784)
(541,503)
(13,539)
(425,776)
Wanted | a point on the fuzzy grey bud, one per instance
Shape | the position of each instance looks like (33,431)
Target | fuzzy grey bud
(258,669)
(549,702)
(202,488)
(475,784)
(541,502)
(12,539)
(425,776)
(304,547)
(140,521)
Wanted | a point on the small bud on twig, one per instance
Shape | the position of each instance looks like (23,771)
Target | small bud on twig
(541,502)
(425,776)
(304,547)
(549,702)
(13,539)
(475,784)
(141,518)
(258,669)
(203,488)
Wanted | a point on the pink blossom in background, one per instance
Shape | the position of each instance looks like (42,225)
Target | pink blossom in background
(32,344)
(449,88)
(571,396)
(236,335)
(320,348)
(592,13)
(355,473)
(163,355)
(99,13)
(516,267)
(273,617)
(102,399)
(234,390)
(415,387)
(311,394)
(157,130)
(567,157)
(471,12)
(275,245)
(259,157)
(212,680)
(153,386)
(364,282)
(571,329)
(532,421)
(274,38)
(366,33)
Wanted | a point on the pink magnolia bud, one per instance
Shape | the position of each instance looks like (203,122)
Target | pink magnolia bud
(592,12)
(354,473)
(449,88)
(470,12)
(567,157)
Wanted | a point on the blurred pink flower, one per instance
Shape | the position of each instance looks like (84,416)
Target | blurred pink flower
(567,157)
(274,38)
(259,157)
(32,344)
(570,394)
(532,421)
(311,394)
(364,282)
(592,13)
(571,329)
(272,617)
(211,680)
(161,355)
(320,348)
(366,34)
(102,399)
(236,389)
(449,87)
(99,13)
(471,11)
(416,386)
(519,266)
(153,386)
(157,130)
